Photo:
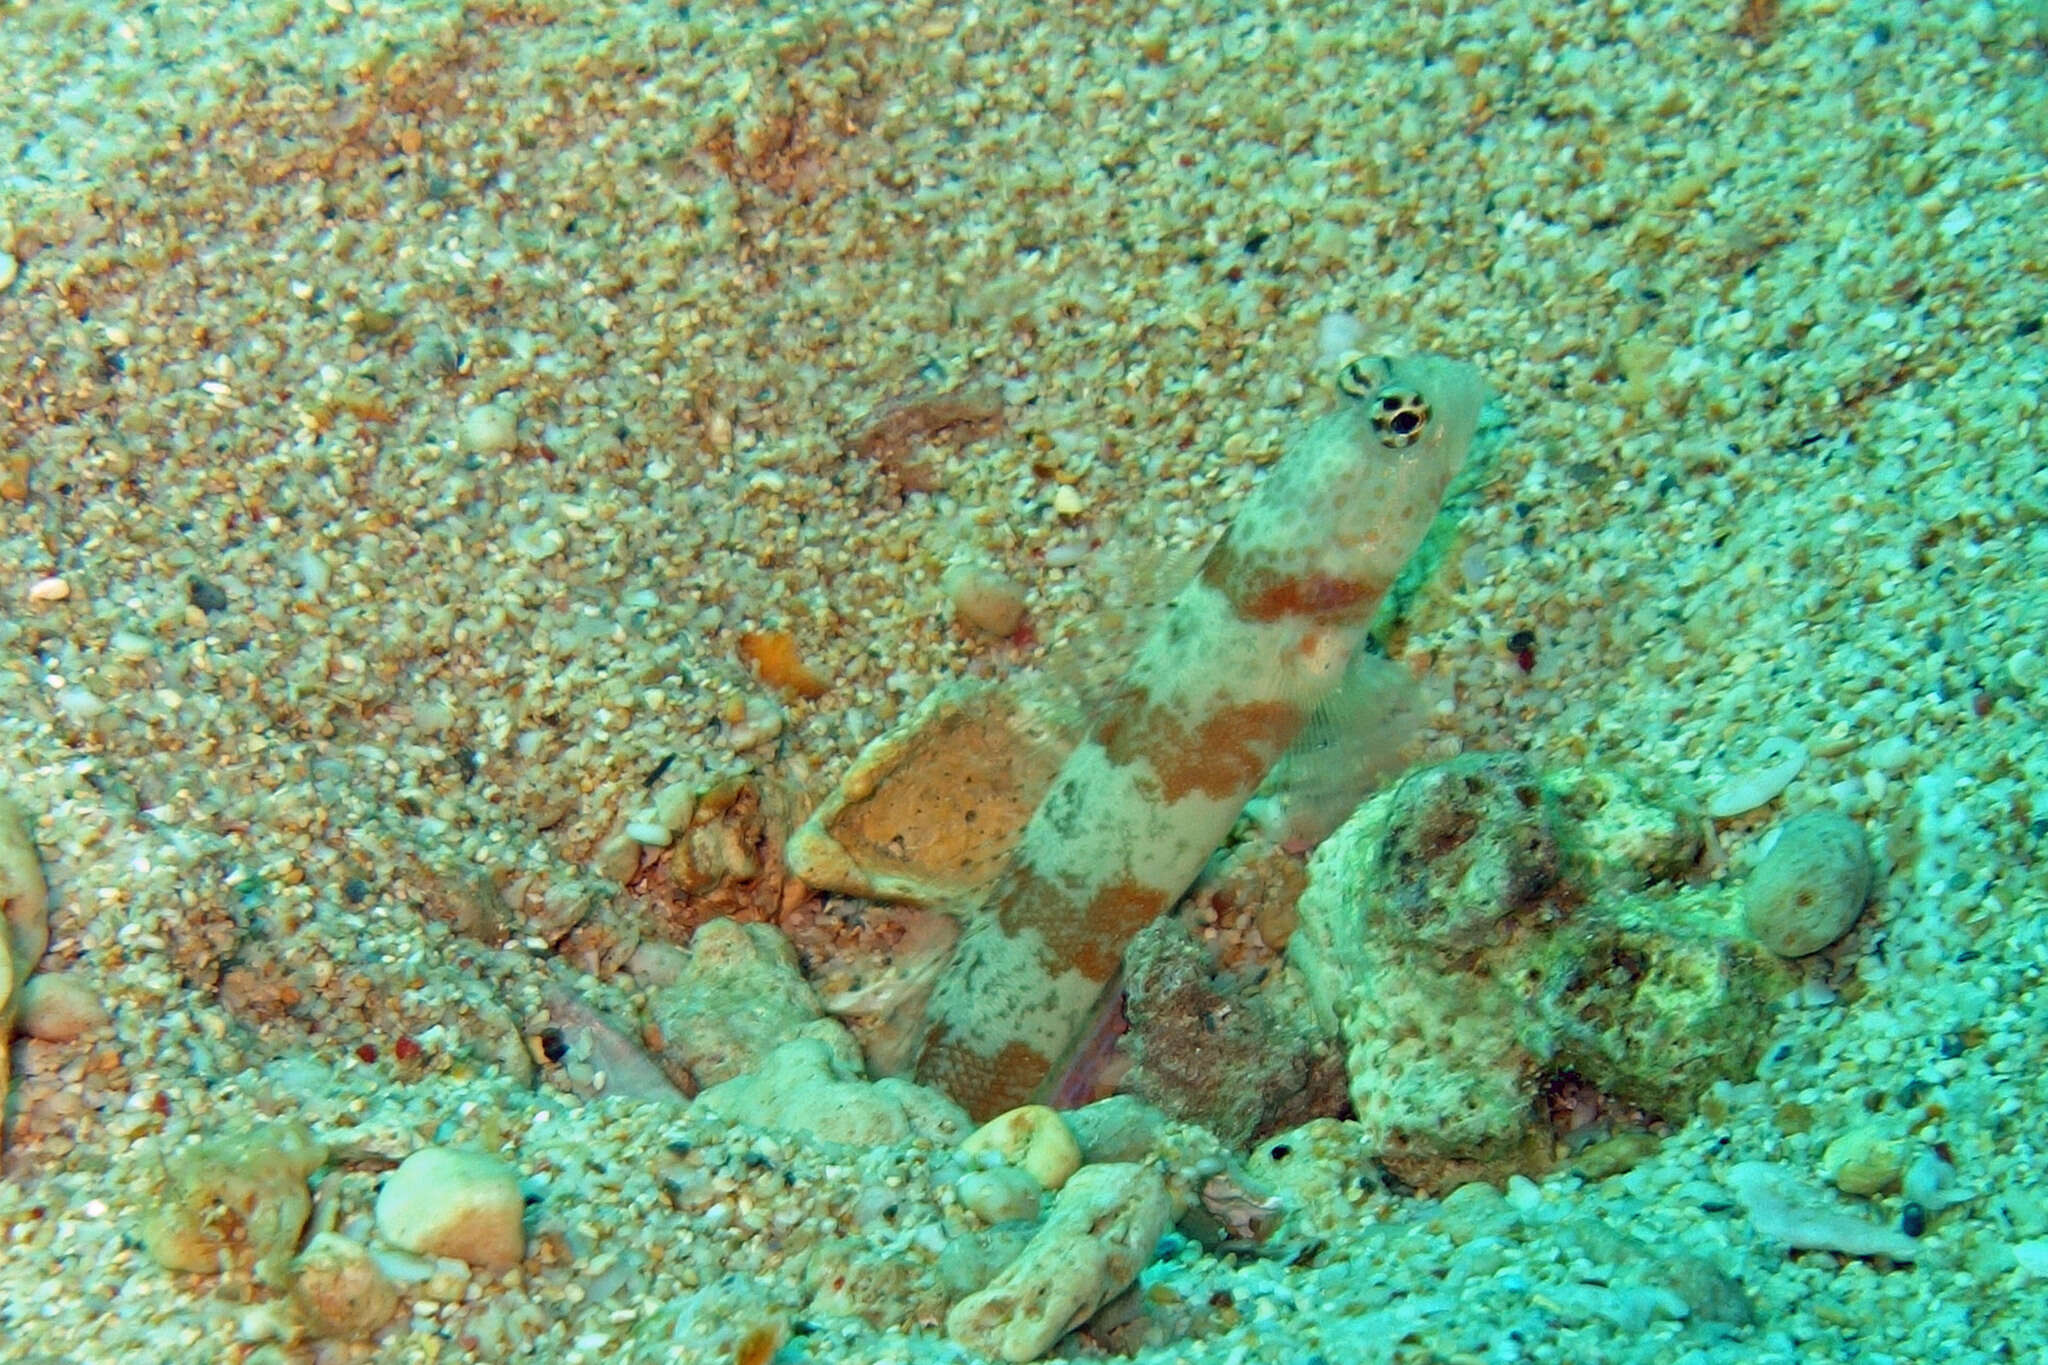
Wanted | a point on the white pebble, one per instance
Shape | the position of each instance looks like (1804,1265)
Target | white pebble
(80,705)
(445,1202)
(2026,1210)
(763,722)
(1033,1138)
(489,429)
(2024,668)
(674,806)
(2032,1256)
(537,542)
(9,268)
(1813,994)
(46,590)
(432,716)
(315,575)
(1065,554)
(646,829)
(1337,335)
(1779,760)
(1890,755)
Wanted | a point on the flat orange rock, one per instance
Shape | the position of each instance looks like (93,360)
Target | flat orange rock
(929,813)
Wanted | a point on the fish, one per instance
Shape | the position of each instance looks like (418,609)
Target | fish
(1223,685)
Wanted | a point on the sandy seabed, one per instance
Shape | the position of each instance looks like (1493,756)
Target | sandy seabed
(409,413)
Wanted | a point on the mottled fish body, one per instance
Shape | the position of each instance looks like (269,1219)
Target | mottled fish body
(1219,690)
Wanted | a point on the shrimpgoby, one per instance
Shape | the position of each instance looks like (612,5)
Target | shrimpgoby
(1218,691)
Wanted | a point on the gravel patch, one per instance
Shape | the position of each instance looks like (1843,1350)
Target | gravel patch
(410,412)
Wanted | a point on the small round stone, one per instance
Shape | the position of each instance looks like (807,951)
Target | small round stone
(58,1007)
(537,541)
(445,1202)
(1033,1138)
(340,1290)
(1927,1180)
(490,429)
(1863,1160)
(985,600)
(2025,669)
(1891,754)
(1002,1194)
(619,856)
(1811,886)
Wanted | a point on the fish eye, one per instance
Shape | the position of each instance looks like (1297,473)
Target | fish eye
(1400,416)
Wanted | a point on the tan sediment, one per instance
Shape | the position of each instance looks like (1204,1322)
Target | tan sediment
(1764,322)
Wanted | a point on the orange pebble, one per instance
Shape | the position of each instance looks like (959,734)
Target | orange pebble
(772,654)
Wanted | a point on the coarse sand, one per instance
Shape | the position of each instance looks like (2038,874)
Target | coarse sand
(428,428)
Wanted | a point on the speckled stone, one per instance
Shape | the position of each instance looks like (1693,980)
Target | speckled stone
(1811,886)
